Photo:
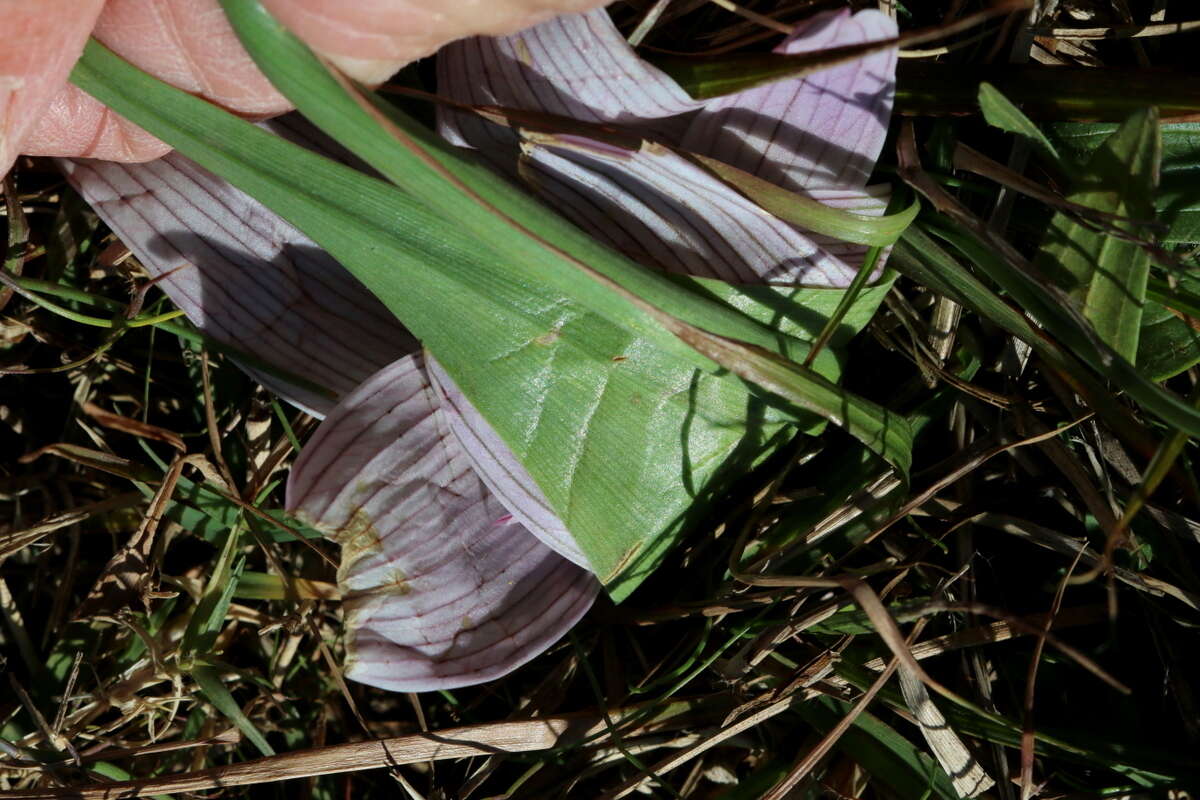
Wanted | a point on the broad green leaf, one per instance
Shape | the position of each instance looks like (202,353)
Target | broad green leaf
(1106,274)
(1183,297)
(1168,345)
(800,312)
(999,111)
(576,372)
(1178,198)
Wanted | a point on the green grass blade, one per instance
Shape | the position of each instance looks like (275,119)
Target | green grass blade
(884,753)
(209,615)
(1076,342)
(208,679)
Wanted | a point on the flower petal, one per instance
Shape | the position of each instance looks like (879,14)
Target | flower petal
(501,471)
(577,66)
(441,586)
(823,131)
(653,204)
(244,276)
(664,211)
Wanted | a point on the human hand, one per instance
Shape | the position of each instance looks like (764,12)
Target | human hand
(189,44)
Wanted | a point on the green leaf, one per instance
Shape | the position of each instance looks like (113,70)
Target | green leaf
(623,424)
(208,679)
(1168,344)
(1135,760)
(209,615)
(1000,112)
(1105,273)
(800,312)
(115,773)
(1073,344)
(1178,198)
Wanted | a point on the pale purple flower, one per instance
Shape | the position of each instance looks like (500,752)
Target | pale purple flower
(455,569)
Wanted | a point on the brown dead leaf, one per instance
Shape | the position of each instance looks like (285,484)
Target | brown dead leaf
(138,428)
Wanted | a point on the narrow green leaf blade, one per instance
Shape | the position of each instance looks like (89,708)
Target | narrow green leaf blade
(208,679)
(810,214)
(884,753)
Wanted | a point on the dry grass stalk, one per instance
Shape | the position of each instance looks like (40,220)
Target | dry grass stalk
(477,740)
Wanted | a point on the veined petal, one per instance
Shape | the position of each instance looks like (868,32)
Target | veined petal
(577,66)
(823,131)
(665,211)
(441,586)
(652,204)
(244,276)
(500,470)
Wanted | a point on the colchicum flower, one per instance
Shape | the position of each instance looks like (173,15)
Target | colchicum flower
(455,570)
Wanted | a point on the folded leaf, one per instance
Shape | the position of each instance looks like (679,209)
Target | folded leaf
(1105,273)
(441,586)
(599,400)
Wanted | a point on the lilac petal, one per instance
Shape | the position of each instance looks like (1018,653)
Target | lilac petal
(501,471)
(655,206)
(576,65)
(244,276)
(823,131)
(665,211)
(441,586)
